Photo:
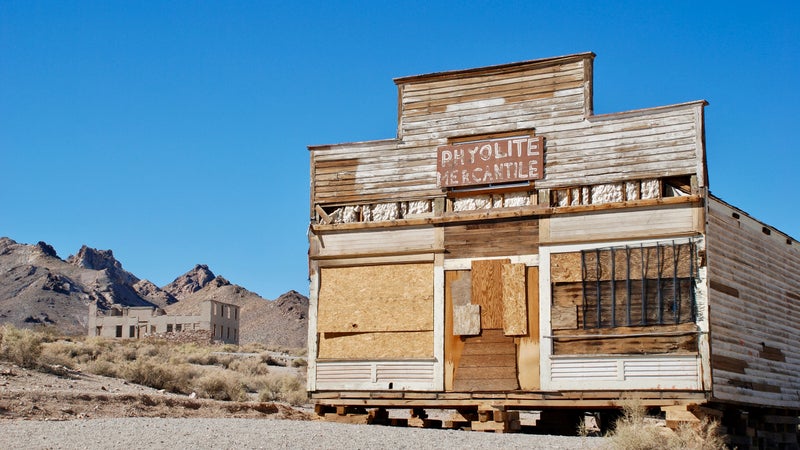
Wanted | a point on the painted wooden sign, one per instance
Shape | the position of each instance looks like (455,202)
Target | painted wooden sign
(488,162)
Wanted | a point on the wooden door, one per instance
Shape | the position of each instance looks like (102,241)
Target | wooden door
(484,347)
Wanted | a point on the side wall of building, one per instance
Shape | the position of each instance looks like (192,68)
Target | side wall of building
(754,309)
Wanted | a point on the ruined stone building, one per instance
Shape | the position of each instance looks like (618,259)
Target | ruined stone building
(220,321)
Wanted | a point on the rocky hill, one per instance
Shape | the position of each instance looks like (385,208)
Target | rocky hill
(37,287)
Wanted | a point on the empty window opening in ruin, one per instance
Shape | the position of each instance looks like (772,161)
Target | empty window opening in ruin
(638,286)
(169,328)
(119,331)
(132,331)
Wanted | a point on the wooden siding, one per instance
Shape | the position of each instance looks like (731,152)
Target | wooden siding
(372,243)
(480,103)
(487,239)
(487,363)
(550,96)
(372,172)
(754,299)
(652,222)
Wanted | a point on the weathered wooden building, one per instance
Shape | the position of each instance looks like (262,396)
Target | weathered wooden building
(511,248)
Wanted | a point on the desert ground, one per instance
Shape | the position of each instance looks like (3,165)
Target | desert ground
(78,410)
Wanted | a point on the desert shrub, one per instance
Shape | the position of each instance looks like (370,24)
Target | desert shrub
(254,383)
(703,436)
(635,431)
(20,346)
(268,359)
(159,375)
(253,347)
(286,388)
(300,362)
(59,354)
(220,386)
(249,366)
(296,398)
(102,367)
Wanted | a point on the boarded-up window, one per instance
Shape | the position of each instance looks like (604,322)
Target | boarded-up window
(624,286)
(375,312)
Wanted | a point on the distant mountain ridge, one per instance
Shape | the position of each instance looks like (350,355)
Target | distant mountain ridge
(39,288)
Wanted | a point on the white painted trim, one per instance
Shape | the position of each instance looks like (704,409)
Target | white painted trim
(313,298)
(545,311)
(466,263)
(623,372)
(438,327)
(564,248)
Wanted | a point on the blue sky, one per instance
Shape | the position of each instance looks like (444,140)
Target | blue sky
(175,133)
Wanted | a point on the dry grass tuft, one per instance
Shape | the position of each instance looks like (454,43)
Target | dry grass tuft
(220,386)
(635,431)
(20,346)
(284,388)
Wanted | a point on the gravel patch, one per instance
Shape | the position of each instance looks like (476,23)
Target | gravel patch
(157,433)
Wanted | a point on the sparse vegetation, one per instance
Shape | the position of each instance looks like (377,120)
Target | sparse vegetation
(284,388)
(211,371)
(636,431)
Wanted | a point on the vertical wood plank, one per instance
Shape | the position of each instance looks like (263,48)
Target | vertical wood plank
(528,349)
(453,345)
(487,291)
(515,311)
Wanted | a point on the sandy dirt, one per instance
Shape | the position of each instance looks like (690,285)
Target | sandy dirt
(29,394)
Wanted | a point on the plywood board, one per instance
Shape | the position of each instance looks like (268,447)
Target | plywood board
(397,297)
(461,288)
(628,263)
(466,320)
(528,347)
(383,345)
(515,311)
(487,291)
(564,317)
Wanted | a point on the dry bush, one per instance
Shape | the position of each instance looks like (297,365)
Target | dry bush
(160,375)
(703,436)
(286,388)
(102,367)
(268,359)
(249,366)
(59,354)
(220,386)
(20,346)
(300,362)
(253,347)
(635,431)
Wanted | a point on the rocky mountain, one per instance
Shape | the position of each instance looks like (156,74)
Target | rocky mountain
(37,287)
